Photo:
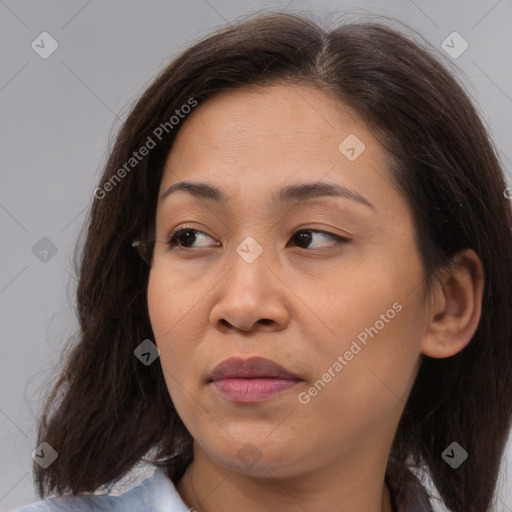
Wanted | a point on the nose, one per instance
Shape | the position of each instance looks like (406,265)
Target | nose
(252,296)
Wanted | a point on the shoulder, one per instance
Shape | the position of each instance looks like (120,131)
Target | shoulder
(35,507)
(155,494)
(132,500)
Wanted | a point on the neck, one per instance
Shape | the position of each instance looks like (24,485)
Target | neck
(350,486)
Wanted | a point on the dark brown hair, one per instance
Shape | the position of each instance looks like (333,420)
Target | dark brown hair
(107,410)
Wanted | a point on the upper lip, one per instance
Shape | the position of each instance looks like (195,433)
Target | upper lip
(254,367)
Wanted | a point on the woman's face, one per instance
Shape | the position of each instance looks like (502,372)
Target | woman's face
(264,277)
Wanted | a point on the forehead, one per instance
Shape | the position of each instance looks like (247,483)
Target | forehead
(289,121)
(251,142)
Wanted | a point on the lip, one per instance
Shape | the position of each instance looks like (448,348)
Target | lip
(252,368)
(251,380)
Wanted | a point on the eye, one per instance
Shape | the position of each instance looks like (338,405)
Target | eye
(185,237)
(303,237)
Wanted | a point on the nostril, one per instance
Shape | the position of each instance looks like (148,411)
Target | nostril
(265,321)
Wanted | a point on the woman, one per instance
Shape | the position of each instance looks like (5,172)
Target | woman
(320,300)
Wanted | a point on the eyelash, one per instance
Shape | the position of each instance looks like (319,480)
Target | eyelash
(172,242)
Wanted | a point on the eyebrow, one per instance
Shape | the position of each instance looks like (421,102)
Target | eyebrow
(289,194)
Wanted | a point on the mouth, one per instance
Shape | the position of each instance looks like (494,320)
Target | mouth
(251,380)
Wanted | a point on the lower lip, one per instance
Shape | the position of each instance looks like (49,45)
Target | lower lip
(252,390)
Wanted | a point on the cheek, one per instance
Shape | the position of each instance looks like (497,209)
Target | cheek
(161,304)
(177,337)
(178,333)
(366,366)
(167,315)
(172,305)
(367,389)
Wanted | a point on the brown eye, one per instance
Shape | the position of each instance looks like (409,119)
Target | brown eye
(304,237)
(186,236)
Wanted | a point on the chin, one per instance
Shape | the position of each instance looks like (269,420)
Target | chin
(259,458)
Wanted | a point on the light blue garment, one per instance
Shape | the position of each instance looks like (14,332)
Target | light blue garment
(155,494)
(158,494)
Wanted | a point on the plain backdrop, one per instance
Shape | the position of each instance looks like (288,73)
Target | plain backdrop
(59,112)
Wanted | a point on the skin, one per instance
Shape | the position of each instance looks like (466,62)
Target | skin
(298,305)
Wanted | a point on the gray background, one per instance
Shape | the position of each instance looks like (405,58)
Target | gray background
(59,113)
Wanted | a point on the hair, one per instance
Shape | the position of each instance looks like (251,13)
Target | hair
(440,157)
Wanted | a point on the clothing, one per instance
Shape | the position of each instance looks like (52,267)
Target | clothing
(155,494)
(158,494)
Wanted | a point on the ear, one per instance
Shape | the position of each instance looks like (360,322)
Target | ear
(456,306)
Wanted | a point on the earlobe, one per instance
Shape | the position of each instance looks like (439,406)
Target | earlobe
(456,307)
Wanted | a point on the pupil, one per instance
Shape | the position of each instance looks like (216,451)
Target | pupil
(303,237)
(187,239)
